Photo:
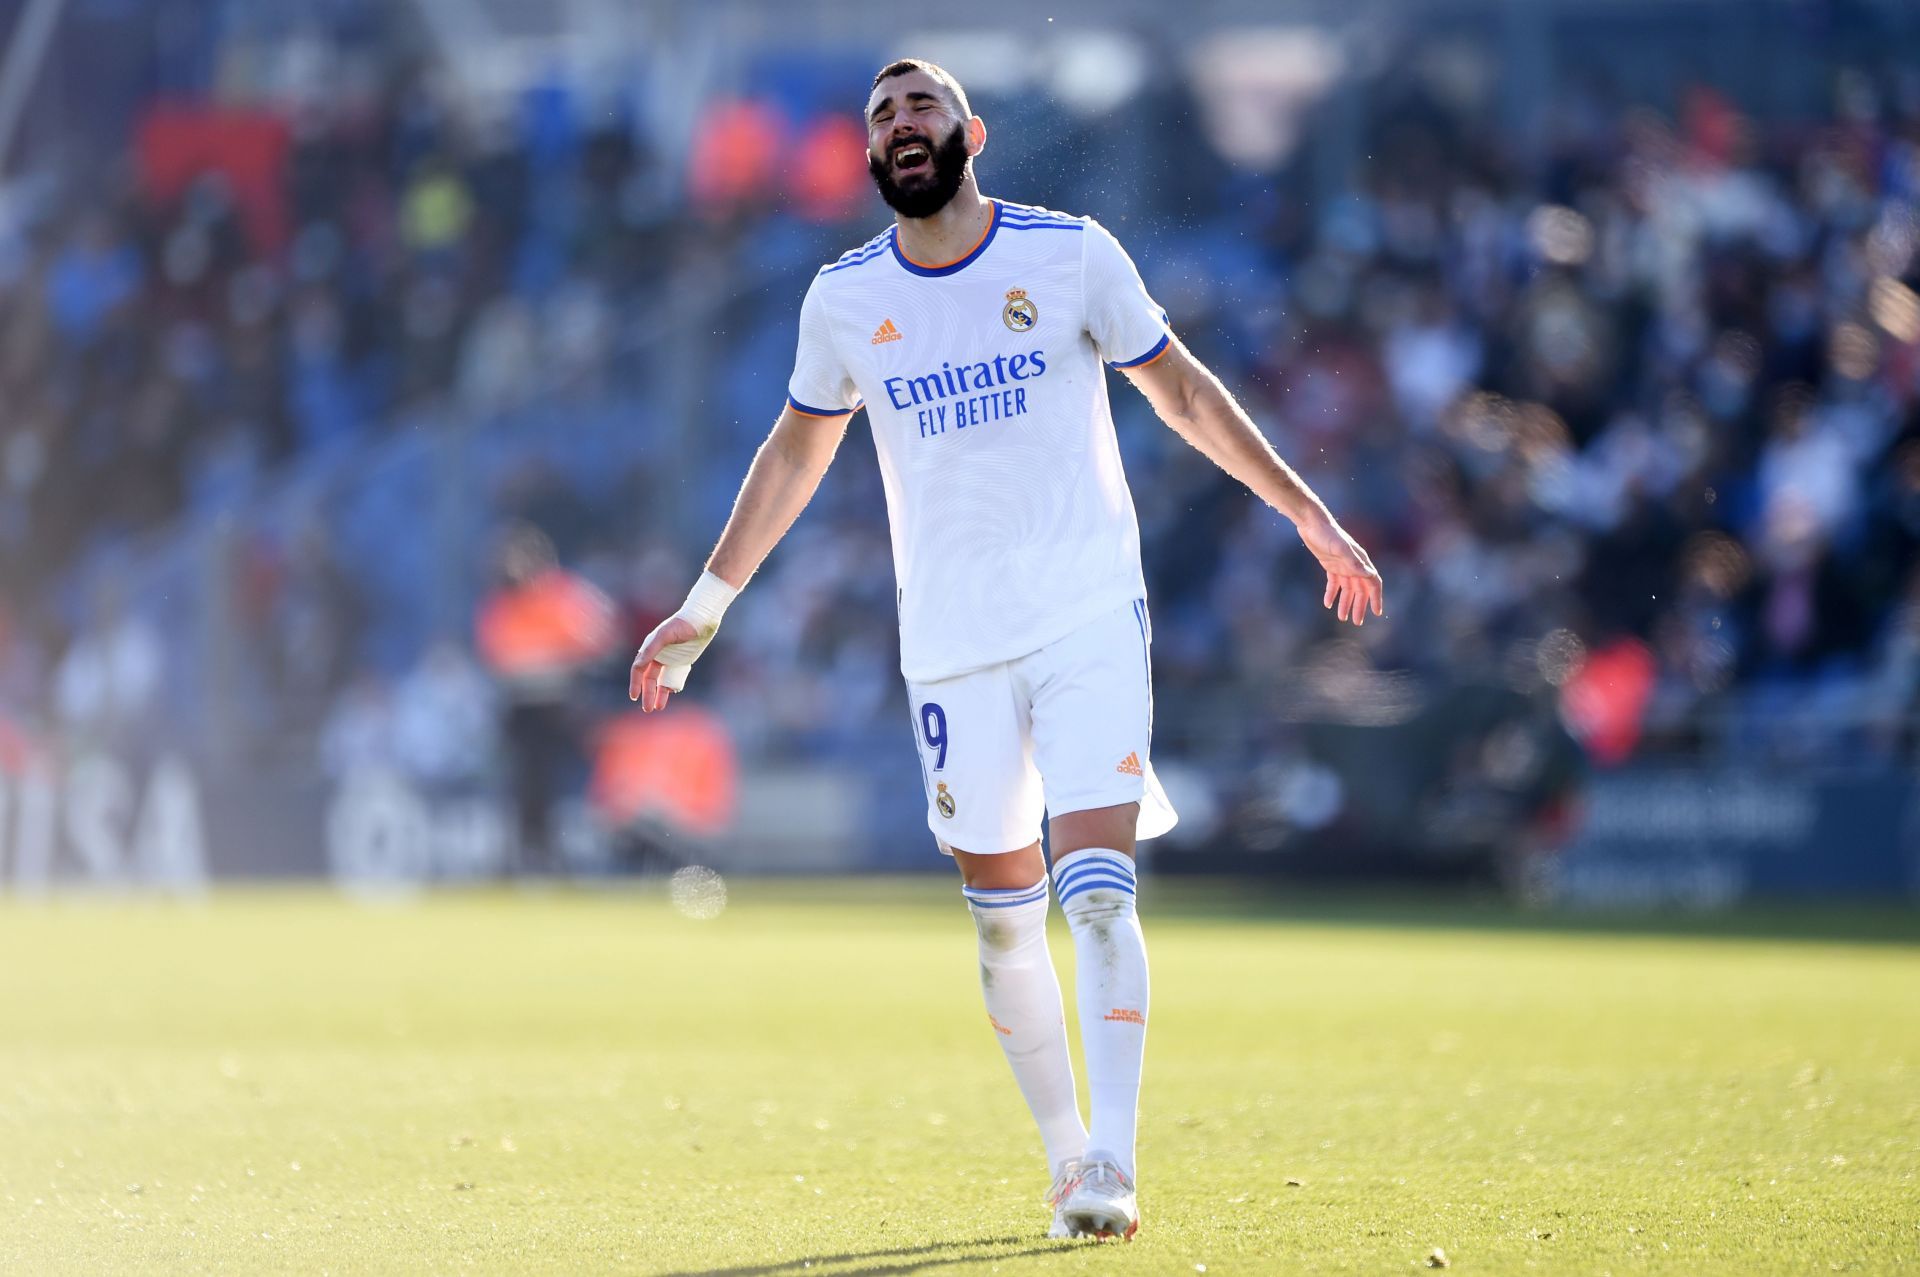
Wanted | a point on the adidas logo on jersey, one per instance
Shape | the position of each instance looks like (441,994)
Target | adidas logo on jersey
(886,332)
(1130,765)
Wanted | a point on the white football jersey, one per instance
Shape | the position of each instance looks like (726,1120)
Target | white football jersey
(1012,523)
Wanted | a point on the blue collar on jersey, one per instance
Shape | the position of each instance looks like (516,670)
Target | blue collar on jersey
(993,227)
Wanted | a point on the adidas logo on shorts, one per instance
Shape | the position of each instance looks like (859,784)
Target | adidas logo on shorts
(1130,765)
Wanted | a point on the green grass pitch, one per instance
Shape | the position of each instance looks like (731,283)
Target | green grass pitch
(521,1082)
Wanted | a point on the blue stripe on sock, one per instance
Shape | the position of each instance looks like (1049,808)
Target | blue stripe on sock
(1084,885)
(1015,893)
(1074,888)
(1105,880)
(1094,858)
(1107,869)
(1077,870)
(1009,904)
(1117,865)
(1066,885)
(1002,891)
(1005,898)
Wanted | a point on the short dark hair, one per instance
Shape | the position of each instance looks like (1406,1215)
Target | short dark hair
(944,77)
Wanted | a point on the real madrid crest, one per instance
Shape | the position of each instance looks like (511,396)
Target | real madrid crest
(1020,314)
(944,801)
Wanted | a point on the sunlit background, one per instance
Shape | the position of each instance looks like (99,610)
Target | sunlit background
(374,375)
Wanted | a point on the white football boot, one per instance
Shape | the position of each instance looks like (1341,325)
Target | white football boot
(1063,1184)
(1100,1202)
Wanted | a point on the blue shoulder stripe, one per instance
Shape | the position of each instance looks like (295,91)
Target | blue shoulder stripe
(871,243)
(1034,210)
(861,260)
(854,256)
(876,242)
(1013,225)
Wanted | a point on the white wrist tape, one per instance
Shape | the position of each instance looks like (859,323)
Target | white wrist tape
(707,601)
(706,604)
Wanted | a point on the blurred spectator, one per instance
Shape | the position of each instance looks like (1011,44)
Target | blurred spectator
(656,776)
(444,720)
(93,276)
(106,688)
(311,620)
(358,734)
(539,630)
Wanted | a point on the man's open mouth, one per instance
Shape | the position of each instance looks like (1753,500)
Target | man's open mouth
(911,156)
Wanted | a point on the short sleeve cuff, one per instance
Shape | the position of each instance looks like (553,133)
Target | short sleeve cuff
(807,410)
(1158,349)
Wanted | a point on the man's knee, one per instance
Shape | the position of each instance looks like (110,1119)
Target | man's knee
(1003,872)
(1111,828)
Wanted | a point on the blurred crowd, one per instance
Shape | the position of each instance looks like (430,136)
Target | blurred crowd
(1630,418)
(241,289)
(1645,416)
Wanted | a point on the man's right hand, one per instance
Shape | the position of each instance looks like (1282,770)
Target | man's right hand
(660,667)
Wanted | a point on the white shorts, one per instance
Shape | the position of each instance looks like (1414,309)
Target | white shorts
(1063,729)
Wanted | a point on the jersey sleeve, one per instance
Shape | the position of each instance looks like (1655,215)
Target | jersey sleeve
(1128,326)
(820,385)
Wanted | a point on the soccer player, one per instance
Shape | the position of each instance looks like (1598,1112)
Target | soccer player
(973,330)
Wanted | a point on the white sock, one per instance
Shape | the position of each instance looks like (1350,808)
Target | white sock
(1023,1003)
(1096,888)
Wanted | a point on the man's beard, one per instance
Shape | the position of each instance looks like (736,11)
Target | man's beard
(933,186)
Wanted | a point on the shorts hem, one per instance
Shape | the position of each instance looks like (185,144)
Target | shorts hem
(947,843)
(1135,793)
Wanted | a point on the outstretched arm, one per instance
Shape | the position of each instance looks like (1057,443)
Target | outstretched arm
(783,477)
(1191,400)
(785,474)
